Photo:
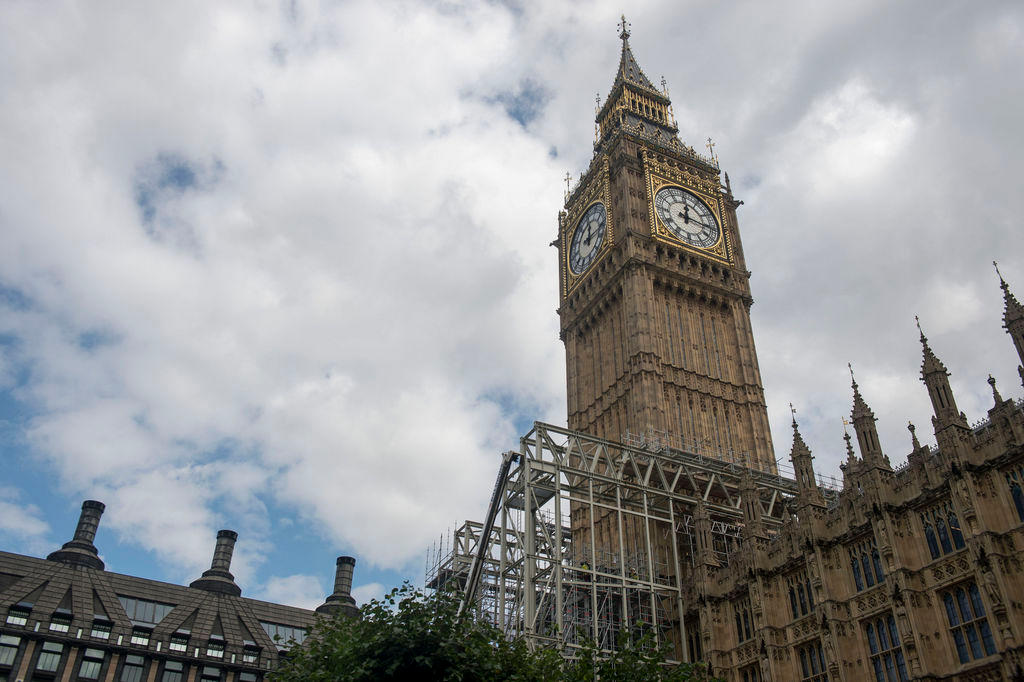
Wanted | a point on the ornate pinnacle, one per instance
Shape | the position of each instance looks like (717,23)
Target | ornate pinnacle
(860,408)
(995,392)
(913,436)
(624,29)
(1013,309)
(931,363)
(849,446)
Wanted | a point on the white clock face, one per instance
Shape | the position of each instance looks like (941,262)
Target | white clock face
(587,238)
(687,217)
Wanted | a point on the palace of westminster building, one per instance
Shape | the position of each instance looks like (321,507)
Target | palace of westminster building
(659,507)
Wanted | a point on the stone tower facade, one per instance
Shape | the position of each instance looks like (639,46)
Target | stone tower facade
(654,291)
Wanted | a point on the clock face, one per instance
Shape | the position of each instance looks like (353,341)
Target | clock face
(687,217)
(587,238)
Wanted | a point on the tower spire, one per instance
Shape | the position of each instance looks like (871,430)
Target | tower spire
(864,425)
(1013,318)
(913,436)
(995,391)
(803,467)
(936,378)
(635,104)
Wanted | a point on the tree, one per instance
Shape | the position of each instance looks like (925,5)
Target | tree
(410,635)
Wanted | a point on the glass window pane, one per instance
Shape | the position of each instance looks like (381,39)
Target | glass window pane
(965,609)
(979,608)
(868,577)
(947,599)
(961,645)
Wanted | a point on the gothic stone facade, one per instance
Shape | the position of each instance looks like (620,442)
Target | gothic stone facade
(906,573)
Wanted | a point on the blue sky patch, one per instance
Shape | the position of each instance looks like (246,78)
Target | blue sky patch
(525,105)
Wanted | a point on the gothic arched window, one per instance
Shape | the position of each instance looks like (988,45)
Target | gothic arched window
(792,602)
(868,577)
(1018,500)
(878,565)
(929,535)
(940,526)
(954,530)
(856,574)
(803,599)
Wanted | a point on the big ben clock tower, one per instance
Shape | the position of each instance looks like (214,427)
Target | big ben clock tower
(654,292)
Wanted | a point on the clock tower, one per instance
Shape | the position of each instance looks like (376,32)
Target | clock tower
(654,295)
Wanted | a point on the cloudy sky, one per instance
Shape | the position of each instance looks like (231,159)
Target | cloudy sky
(283,267)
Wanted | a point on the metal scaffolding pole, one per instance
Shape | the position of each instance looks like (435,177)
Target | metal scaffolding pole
(622,561)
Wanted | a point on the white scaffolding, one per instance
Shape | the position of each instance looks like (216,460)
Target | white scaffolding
(587,538)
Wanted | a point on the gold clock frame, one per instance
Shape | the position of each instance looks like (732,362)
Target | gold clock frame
(660,176)
(598,191)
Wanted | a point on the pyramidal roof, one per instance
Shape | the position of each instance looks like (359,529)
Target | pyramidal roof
(1013,310)
(629,70)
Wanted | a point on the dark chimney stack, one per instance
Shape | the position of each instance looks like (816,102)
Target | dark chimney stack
(81,551)
(218,578)
(341,600)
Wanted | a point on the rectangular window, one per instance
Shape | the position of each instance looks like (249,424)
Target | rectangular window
(967,622)
(173,672)
(132,669)
(178,643)
(886,650)
(865,564)
(60,622)
(668,334)
(9,649)
(210,674)
(101,629)
(801,599)
(18,615)
(215,648)
(744,621)
(144,612)
(92,663)
(942,529)
(251,654)
(812,662)
(49,657)
(682,337)
(140,636)
(283,634)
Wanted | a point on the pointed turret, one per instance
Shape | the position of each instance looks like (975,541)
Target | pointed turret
(750,500)
(1013,318)
(936,378)
(864,425)
(803,468)
(635,104)
(913,436)
(996,398)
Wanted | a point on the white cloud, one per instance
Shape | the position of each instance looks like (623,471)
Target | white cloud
(343,298)
(364,593)
(303,591)
(21,522)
